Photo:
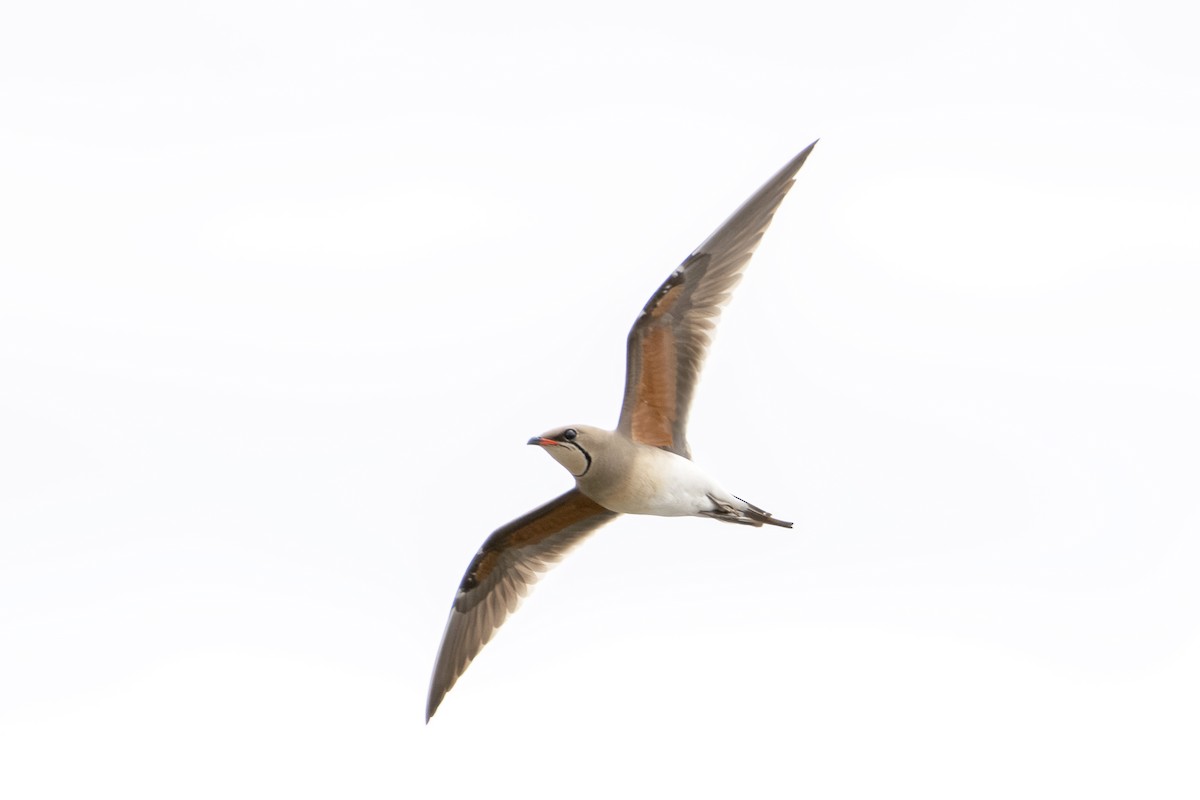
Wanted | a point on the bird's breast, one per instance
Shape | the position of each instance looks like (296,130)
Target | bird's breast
(655,482)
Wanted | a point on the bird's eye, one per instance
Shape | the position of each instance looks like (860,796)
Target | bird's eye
(569,434)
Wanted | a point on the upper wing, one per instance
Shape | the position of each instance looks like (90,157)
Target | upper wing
(509,562)
(668,342)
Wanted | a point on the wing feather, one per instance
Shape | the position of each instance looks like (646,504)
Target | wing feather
(669,340)
(501,573)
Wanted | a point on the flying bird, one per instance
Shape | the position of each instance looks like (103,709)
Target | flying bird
(642,467)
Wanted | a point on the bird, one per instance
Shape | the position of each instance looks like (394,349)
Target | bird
(644,466)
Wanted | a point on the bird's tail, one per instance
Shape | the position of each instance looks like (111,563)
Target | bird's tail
(763,517)
(747,514)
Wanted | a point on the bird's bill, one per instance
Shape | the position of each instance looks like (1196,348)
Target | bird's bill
(542,441)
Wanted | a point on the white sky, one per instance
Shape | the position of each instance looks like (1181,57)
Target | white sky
(286,288)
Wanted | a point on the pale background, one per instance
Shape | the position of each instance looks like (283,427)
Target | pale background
(286,287)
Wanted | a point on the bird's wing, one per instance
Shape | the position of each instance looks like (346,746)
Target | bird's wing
(670,338)
(509,562)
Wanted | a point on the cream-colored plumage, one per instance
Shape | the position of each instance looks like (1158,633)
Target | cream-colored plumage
(642,467)
(633,478)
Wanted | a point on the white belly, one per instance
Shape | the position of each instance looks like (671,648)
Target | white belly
(662,484)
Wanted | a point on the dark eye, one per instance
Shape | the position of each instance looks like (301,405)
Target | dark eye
(569,434)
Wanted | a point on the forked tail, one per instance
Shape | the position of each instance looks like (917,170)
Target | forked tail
(763,517)
(749,515)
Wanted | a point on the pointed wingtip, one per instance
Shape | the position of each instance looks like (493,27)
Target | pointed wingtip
(786,173)
(798,161)
(436,695)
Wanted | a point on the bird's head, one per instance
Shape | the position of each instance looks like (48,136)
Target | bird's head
(574,446)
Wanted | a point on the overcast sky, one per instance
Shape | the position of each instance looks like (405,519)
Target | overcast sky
(284,289)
